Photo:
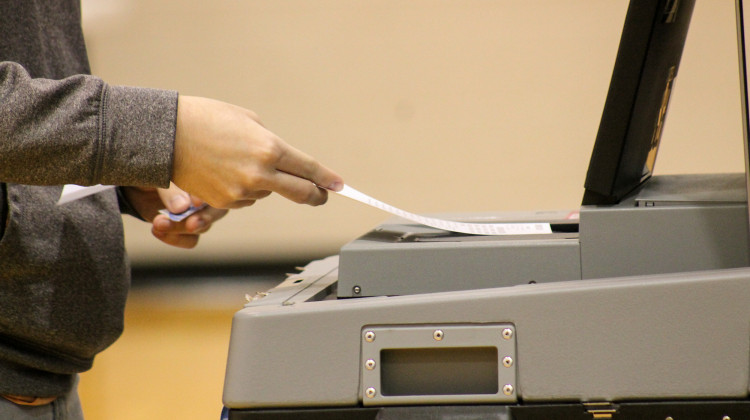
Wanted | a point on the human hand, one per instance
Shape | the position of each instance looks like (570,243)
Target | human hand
(185,234)
(226,156)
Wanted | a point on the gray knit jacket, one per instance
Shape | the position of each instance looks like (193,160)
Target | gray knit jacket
(64,274)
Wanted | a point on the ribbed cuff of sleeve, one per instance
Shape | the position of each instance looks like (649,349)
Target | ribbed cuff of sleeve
(137,131)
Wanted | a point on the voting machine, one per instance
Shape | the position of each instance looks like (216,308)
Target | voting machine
(635,306)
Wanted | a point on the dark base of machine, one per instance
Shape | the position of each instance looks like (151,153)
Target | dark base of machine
(677,410)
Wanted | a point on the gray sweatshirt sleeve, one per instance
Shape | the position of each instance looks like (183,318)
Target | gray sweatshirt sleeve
(80,130)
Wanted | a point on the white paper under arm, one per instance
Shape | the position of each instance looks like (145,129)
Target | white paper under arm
(72,192)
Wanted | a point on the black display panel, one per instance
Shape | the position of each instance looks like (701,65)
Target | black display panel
(742,42)
(647,61)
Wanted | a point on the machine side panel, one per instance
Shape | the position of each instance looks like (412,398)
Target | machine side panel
(626,241)
(279,359)
(370,268)
(671,336)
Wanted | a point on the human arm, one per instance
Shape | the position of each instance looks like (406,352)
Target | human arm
(227,149)
(80,130)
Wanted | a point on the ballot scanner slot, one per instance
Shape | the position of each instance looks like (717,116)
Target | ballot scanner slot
(403,234)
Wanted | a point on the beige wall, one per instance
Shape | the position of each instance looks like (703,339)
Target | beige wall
(433,106)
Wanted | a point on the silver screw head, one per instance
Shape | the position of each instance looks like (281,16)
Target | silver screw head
(438,335)
(370,364)
(357,290)
(507,361)
(370,392)
(508,389)
(507,333)
(370,336)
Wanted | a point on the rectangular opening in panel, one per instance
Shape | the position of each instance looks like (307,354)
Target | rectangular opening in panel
(439,371)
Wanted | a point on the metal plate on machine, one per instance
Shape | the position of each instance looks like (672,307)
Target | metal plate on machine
(438,364)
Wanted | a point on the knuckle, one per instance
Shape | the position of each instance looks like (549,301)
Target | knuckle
(312,197)
(252,115)
(252,182)
(236,193)
(225,198)
(268,152)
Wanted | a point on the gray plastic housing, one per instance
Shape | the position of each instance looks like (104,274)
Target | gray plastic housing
(658,337)
(675,223)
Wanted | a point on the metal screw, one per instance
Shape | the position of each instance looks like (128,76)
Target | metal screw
(507,361)
(370,364)
(357,290)
(669,418)
(508,389)
(726,418)
(507,333)
(437,335)
(370,392)
(369,336)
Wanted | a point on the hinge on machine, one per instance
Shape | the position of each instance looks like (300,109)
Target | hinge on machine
(601,410)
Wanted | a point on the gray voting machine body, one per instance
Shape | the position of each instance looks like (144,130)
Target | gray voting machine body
(637,308)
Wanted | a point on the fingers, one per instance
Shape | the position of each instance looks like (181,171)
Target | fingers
(240,204)
(185,234)
(295,162)
(226,156)
(292,174)
(175,199)
(299,190)
(186,241)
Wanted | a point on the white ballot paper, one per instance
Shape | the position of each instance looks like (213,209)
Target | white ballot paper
(470,228)
(72,192)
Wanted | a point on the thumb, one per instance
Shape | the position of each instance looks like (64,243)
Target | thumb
(175,199)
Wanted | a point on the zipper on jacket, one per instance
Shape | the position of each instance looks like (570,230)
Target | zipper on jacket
(3,209)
